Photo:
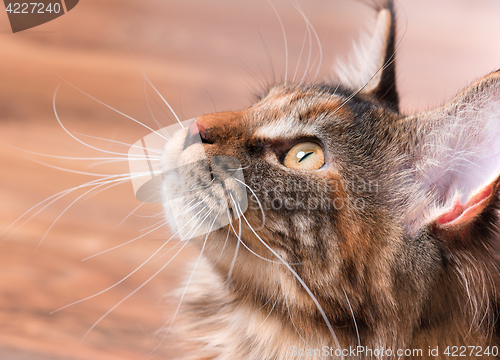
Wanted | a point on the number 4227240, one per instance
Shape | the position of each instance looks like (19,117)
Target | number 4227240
(33,8)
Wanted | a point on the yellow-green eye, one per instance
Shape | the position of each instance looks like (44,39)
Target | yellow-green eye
(305,156)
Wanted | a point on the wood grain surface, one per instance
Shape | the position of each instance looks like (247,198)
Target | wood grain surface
(202,56)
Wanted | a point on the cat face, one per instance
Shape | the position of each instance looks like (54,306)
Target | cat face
(321,193)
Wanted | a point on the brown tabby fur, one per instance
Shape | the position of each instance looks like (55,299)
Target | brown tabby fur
(387,274)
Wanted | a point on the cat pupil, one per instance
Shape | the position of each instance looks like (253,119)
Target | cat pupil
(302,155)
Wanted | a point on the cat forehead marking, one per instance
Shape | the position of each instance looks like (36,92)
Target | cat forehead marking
(298,114)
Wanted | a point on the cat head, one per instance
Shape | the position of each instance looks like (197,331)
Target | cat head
(324,192)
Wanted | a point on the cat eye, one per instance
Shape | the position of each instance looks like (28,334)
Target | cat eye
(305,156)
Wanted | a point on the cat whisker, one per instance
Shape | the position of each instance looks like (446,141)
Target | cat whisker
(149,105)
(258,201)
(73,136)
(284,38)
(270,311)
(188,281)
(352,314)
(227,238)
(233,261)
(146,80)
(52,199)
(111,161)
(142,285)
(295,326)
(124,278)
(130,213)
(69,157)
(302,283)
(160,95)
(239,234)
(192,219)
(320,47)
(106,105)
(132,293)
(308,32)
(300,54)
(124,175)
(129,146)
(240,168)
(130,241)
(114,183)
(153,225)
(266,49)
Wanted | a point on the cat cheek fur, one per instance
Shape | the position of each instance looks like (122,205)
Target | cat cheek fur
(385,274)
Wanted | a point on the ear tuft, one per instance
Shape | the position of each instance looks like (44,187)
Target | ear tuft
(477,219)
(371,68)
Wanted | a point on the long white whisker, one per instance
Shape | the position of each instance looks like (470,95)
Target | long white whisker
(300,54)
(128,145)
(72,203)
(239,234)
(284,38)
(73,136)
(154,88)
(162,221)
(130,241)
(132,293)
(313,30)
(308,27)
(51,199)
(295,326)
(111,161)
(130,213)
(128,175)
(108,106)
(188,281)
(192,219)
(146,96)
(68,157)
(233,262)
(270,311)
(123,279)
(258,201)
(225,241)
(306,288)
(353,317)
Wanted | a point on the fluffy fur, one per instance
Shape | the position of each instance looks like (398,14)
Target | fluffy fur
(351,254)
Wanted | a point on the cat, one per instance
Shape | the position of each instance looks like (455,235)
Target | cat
(331,225)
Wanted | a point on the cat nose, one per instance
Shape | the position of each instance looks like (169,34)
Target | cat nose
(196,133)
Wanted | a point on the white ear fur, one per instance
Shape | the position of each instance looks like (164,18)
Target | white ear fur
(459,150)
(363,68)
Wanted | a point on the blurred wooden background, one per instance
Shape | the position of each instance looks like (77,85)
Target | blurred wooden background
(202,56)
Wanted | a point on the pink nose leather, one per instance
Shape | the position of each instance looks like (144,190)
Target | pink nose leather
(197,128)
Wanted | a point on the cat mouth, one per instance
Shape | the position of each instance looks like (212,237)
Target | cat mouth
(204,196)
(200,193)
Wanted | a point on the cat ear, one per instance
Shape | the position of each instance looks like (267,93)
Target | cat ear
(456,163)
(371,66)
(472,223)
